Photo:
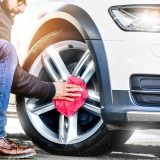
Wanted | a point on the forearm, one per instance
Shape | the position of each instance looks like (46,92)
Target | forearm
(27,85)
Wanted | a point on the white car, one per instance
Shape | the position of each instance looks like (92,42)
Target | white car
(114,46)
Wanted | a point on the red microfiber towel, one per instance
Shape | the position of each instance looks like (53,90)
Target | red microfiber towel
(68,108)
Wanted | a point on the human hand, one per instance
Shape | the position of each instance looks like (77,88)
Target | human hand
(66,91)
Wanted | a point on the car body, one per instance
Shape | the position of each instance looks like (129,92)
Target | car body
(114,47)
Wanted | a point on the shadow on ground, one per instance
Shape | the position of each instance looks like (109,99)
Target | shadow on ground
(129,151)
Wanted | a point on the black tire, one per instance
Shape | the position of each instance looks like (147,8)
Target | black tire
(101,142)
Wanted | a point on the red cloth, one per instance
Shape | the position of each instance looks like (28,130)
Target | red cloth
(68,108)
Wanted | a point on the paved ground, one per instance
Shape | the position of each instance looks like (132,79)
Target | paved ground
(142,145)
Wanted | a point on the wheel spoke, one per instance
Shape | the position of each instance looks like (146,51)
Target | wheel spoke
(54,55)
(92,109)
(81,63)
(93,95)
(93,98)
(49,68)
(40,109)
(62,129)
(67,128)
(88,73)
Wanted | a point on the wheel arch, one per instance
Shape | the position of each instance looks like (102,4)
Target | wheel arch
(74,18)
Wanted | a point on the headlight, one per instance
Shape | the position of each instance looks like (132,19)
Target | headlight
(137,17)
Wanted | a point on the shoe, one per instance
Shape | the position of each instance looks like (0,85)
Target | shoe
(10,149)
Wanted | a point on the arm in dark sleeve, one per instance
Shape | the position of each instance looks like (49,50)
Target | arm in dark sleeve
(27,85)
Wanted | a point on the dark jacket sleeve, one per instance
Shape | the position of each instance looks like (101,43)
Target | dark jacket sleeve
(27,85)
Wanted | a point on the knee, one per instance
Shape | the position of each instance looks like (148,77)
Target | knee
(7,51)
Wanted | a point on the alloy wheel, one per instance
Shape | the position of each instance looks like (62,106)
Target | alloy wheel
(56,63)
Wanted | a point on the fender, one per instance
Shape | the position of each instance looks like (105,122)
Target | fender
(93,38)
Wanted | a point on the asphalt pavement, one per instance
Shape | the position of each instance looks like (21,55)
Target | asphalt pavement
(143,144)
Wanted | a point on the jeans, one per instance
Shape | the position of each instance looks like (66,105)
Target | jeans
(8,63)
